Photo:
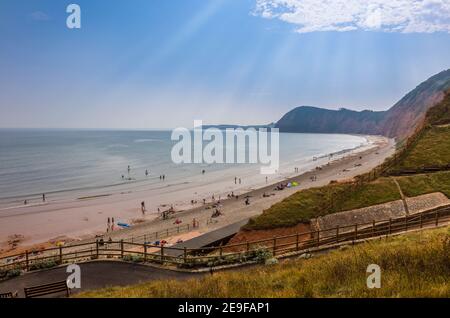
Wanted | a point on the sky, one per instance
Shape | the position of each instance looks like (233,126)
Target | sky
(146,64)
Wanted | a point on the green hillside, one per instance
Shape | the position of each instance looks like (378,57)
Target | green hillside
(431,150)
(311,203)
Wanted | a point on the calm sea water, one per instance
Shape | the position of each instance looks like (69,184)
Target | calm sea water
(69,163)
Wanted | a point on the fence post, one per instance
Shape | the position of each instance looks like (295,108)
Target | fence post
(60,255)
(437,218)
(220,251)
(96,249)
(355,238)
(296,243)
(27,261)
(337,234)
(274,246)
(373,228)
(185,255)
(167,232)
(145,238)
(162,254)
(248,247)
(121,248)
(145,252)
(318,238)
(390,226)
(178,229)
(421,221)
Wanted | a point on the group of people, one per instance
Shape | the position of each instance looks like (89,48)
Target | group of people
(236,180)
(25,202)
(147,173)
(281,186)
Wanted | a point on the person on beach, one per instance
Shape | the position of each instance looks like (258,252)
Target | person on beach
(240,181)
(25,202)
(146,173)
(143,207)
(164,177)
(247,201)
(109,225)
(129,169)
(43,197)
(235,180)
(267,179)
(112,224)
(203,171)
(177,221)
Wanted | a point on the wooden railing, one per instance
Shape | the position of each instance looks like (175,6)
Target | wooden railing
(219,255)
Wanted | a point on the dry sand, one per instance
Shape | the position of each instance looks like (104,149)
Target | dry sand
(83,219)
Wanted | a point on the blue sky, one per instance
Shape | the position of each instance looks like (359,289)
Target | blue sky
(164,63)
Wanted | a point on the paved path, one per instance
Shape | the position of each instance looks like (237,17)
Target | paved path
(95,275)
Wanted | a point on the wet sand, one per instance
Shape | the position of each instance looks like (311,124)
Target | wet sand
(83,219)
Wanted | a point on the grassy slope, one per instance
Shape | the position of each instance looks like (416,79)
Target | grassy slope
(440,114)
(425,183)
(413,265)
(433,149)
(310,203)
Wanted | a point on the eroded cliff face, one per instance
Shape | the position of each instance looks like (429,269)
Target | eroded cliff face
(399,121)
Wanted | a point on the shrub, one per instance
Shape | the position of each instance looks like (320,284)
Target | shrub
(43,265)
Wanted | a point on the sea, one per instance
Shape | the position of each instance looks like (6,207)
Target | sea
(74,164)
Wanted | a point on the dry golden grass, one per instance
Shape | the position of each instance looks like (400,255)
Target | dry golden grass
(413,265)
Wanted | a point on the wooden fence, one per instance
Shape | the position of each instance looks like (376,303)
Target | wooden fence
(220,255)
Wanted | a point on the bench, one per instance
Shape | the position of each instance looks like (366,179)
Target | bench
(47,289)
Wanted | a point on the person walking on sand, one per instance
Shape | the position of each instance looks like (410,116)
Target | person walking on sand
(43,197)
(109,225)
(164,177)
(146,172)
(112,224)
(143,207)
(235,180)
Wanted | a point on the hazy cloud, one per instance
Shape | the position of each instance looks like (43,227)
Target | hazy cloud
(405,16)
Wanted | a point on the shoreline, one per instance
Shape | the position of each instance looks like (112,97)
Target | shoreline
(233,210)
(82,193)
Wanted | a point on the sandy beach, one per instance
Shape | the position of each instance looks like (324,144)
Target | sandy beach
(82,219)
